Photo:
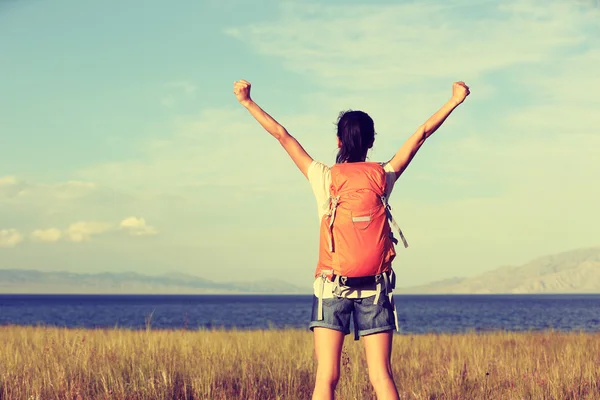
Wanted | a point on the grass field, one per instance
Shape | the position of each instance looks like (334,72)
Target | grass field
(51,363)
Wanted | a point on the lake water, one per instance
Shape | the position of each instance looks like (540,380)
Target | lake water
(417,313)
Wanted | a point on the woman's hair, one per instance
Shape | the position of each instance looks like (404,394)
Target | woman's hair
(356,132)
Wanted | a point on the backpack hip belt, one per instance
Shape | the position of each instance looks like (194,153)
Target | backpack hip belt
(385,283)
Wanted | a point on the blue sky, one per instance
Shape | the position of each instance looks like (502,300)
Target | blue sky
(122,147)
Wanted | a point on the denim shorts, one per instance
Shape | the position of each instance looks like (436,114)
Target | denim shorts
(368,317)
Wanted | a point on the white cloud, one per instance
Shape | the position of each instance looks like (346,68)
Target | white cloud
(184,86)
(393,46)
(168,101)
(83,231)
(10,237)
(48,192)
(177,89)
(204,149)
(46,235)
(10,188)
(69,190)
(137,227)
(26,204)
(8,180)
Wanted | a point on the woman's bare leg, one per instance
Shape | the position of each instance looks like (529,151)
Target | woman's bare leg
(378,348)
(328,349)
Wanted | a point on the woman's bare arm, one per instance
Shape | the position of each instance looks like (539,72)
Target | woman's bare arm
(289,143)
(404,156)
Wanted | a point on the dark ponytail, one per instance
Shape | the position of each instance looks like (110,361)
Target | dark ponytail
(356,132)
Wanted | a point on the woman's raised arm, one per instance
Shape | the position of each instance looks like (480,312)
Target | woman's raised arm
(290,144)
(408,150)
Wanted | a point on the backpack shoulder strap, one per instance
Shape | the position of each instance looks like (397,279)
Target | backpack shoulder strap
(388,210)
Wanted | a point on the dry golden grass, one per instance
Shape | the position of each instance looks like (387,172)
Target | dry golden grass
(51,363)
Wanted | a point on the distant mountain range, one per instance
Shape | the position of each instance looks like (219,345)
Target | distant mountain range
(33,281)
(575,271)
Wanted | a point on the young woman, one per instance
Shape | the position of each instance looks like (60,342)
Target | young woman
(373,320)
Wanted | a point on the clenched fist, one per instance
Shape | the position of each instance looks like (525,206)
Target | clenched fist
(241,89)
(459,92)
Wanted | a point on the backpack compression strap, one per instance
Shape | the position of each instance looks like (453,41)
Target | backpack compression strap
(333,203)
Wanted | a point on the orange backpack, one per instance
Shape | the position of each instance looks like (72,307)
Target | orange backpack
(355,235)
